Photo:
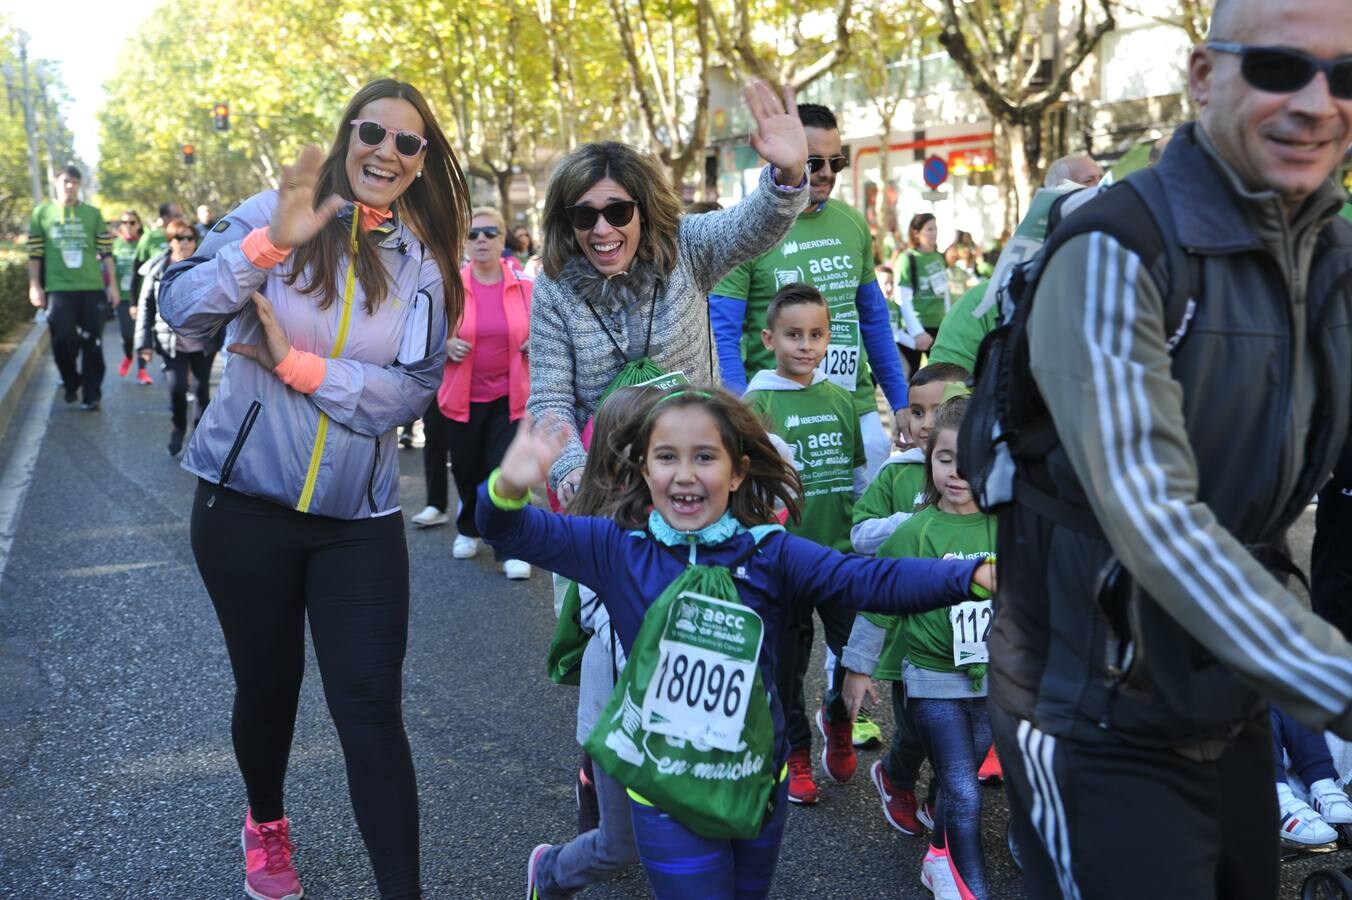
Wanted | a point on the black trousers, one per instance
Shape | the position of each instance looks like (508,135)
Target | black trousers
(76,320)
(911,356)
(1117,822)
(127,326)
(268,568)
(477,447)
(1331,557)
(795,651)
(177,368)
(436,450)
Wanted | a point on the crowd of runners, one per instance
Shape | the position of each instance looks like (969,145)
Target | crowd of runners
(1061,542)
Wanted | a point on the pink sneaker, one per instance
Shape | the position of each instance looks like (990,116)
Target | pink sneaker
(268,872)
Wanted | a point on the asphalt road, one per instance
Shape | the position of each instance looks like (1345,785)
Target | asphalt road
(116,770)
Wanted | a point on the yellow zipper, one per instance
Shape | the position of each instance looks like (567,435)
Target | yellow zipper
(344,323)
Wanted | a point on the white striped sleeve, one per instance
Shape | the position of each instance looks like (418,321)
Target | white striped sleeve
(1096,339)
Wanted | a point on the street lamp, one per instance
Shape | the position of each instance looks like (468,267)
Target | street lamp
(29,126)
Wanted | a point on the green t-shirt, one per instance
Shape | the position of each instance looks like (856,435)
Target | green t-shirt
(1346,212)
(935,534)
(150,244)
(124,255)
(961,334)
(69,240)
(927,275)
(899,487)
(832,250)
(822,427)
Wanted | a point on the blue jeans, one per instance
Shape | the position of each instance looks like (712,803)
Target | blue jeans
(956,735)
(1310,757)
(681,864)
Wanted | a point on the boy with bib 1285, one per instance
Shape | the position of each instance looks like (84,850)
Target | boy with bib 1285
(815,417)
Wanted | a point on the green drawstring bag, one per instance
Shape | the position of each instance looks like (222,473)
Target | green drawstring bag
(642,372)
(688,727)
(564,661)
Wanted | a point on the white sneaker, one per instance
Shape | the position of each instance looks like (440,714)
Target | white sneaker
(516,569)
(936,876)
(464,547)
(1299,823)
(1331,802)
(429,517)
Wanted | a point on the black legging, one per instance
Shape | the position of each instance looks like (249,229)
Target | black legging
(266,567)
(177,368)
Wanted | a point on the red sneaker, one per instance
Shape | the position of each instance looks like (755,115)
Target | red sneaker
(991,772)
(802,789)
(838,757)
(898,805)
(124,367)
(268,871)
(143,377)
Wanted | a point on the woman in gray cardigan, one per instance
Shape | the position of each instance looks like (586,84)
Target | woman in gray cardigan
(626,277)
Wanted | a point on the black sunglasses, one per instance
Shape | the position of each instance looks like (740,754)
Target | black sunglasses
(1279,70)
(184,237)
(488,231)
(372,134)
(837,162)
(619,213)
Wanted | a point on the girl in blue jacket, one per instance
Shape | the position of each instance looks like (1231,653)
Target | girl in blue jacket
(706,478)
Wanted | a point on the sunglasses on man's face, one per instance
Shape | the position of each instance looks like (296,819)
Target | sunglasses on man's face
(618,213)
(372,134)
(836,162)
(488,231)
(184,238)
(1280,70)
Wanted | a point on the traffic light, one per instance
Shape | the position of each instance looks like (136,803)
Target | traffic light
(189,155)
(222,113)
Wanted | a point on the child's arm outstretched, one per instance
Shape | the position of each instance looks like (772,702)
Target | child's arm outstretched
(576,547)
(814,574)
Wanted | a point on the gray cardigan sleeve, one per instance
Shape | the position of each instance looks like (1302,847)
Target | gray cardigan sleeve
(713,243)
(553,374)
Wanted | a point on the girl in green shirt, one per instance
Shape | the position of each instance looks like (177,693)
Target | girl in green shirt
(921,274)
(945,665)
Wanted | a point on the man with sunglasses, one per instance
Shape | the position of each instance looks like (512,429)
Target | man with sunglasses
(71,274)
(831,248)
(1141,632)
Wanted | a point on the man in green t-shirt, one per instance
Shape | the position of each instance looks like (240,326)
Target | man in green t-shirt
(152,242)
(961,335)
(71,274)
(818,422)
(829,247)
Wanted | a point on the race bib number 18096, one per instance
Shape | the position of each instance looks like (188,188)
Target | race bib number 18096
(701,689)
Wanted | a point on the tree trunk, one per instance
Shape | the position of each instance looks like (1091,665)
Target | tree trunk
(882,212)
(504,181)
(1016,175)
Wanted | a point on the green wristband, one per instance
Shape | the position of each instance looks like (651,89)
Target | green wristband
(502,502)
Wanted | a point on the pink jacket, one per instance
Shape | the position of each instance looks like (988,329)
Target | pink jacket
(453,395)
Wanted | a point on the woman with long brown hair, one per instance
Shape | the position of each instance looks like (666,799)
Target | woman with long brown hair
(336,290)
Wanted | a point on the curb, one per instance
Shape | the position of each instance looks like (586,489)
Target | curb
(19,369)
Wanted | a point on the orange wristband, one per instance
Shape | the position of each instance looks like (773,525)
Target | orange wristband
(261,251)
(302,371)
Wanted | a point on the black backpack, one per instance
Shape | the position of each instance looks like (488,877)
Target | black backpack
(1007,423)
